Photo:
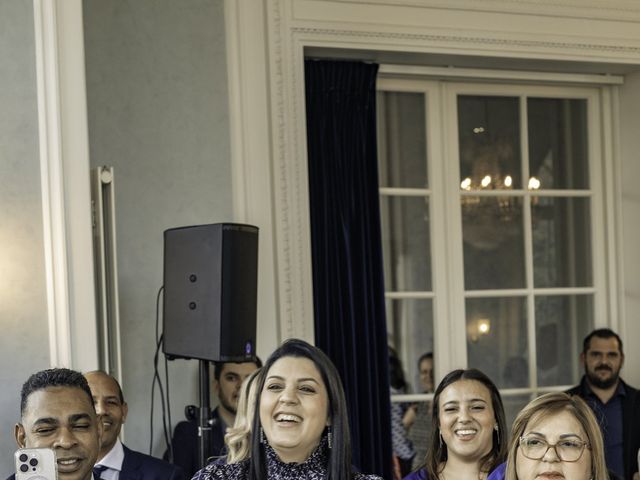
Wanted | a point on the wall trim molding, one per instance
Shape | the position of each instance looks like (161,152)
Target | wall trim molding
(291,200)
(468,42)
(66,198)
(53,213)
(251,173)
(616,10)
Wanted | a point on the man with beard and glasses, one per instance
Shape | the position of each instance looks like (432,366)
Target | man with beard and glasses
(615,404)
(227,380)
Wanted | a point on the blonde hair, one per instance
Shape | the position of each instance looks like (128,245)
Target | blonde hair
(237,437)
(552,403)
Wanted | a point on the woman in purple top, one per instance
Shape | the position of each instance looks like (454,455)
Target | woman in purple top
(469,433)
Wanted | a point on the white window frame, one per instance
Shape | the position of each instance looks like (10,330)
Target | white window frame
(441,87)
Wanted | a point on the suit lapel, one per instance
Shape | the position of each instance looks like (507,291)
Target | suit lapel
(130,466)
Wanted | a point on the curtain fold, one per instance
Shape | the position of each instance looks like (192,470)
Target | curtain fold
(348,286)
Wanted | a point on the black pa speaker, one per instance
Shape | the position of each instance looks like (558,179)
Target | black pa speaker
(210,290)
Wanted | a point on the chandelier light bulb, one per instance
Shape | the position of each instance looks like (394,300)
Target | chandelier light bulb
(534,183)
(508,181)
(486,181)
(466,184)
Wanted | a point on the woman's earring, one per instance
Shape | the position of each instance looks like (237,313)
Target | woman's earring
(329,437)
(440,435)
(263,440)
(495,427)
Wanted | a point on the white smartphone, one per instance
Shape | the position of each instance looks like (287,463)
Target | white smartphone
(36,464)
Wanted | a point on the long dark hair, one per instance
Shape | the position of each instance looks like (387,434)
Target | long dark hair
(396,372)
(339,456)
(437,453)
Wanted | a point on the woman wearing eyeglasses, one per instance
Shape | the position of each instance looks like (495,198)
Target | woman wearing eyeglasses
(555,437)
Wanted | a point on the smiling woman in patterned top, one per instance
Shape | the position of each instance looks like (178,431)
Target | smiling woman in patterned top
(300,426)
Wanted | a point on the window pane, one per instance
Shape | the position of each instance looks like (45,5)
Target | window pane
(402,146)
(492,233)
(489,136)
(418,431)
(410,333)
(406,243)
(497,339)
(513,404)
(558,151)
(561,324)
(561,242)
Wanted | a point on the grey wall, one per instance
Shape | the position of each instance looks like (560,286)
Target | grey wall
(23,310)
(158,113)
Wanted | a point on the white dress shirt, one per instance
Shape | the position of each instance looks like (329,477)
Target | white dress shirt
(113,461)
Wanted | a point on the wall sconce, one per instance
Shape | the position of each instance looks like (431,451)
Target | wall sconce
(477,328)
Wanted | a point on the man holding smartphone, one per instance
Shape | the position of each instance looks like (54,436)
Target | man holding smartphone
(57,412)
(115,460)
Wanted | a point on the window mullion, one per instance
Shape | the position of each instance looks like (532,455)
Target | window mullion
(605,217)
(528,245)
(442,253)
(456,284)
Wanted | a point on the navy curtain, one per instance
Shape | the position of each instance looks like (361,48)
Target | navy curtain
(348,287)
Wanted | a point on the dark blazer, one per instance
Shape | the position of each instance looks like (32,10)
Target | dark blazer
(185,443)
(138,466)
(630,424)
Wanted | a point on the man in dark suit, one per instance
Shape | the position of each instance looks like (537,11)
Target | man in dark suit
(116,461)
(57,412)
(615,404)
(227,380)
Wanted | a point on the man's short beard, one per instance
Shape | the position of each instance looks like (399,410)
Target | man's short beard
(229,407)
(604,384)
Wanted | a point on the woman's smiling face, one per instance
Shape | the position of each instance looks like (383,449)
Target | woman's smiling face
(294,408)
(466,419)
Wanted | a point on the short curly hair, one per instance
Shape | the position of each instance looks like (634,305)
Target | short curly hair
(53,377)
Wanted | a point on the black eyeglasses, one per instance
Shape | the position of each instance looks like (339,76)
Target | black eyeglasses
(568,450)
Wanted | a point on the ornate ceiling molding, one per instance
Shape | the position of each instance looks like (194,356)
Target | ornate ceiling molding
(428,41)
(617,10)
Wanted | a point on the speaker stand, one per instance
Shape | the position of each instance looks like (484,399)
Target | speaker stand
(204,414)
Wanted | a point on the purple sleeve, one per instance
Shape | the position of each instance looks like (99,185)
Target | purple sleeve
(498,473)
(419,475)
